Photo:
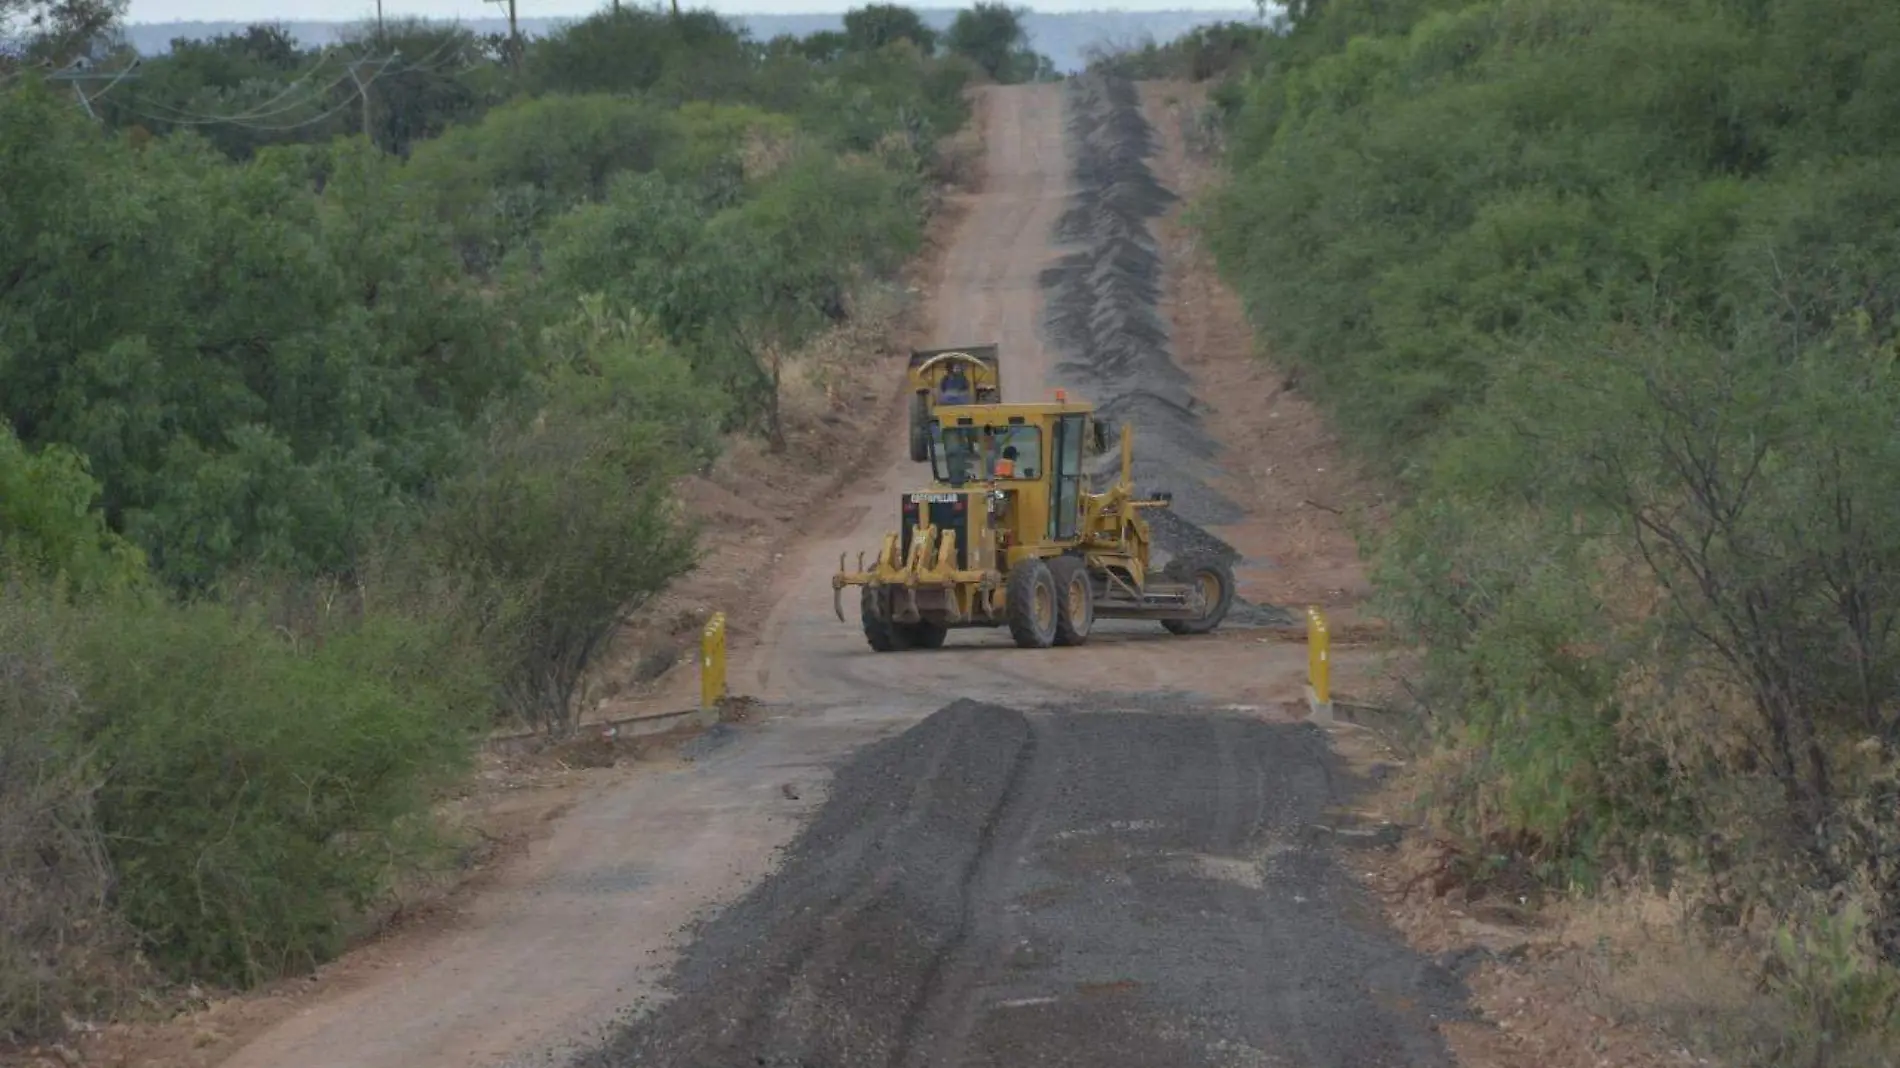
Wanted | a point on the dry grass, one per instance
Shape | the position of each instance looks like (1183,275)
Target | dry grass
(766,150)
(959,158)
(62,950)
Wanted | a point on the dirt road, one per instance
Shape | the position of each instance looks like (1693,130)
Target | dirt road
(1110,817)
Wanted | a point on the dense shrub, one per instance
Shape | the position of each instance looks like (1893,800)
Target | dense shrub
(1205,52)
(321,453)
(1605,287)
(258,790)
(62,949)
(562,522)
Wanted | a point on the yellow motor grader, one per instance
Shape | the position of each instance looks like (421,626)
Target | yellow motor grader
(973,371)
(1009,534)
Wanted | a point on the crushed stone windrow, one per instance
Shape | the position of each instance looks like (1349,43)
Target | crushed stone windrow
(1104,317)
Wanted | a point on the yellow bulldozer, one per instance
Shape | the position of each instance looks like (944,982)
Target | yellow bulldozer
(1009,534)
(967,374)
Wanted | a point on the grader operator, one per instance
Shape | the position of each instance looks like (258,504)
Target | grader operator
(1009,534)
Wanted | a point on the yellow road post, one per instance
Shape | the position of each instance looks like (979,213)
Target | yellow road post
(712,662)
(1319,665)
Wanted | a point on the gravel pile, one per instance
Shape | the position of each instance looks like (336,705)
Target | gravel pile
(1104,317)
(1066,887)
(1104,311)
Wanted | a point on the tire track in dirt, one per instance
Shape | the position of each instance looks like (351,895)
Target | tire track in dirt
(947,1011)
(816,960)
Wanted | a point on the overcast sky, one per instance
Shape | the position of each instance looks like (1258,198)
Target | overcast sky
(349,10)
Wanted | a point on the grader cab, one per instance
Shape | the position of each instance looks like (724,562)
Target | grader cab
(966,374)
(1009,534)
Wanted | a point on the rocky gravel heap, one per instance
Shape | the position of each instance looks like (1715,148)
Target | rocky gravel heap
(1058,888)
(1104,314)
(1104,317)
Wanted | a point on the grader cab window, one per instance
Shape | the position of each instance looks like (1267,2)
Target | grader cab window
(972,453)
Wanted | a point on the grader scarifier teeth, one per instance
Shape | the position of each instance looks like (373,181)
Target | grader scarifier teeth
(845,578)
(837,591)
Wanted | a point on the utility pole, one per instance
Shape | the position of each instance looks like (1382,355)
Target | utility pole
(514,32)
(362,87)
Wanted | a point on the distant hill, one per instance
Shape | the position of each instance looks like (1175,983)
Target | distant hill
(1064,37)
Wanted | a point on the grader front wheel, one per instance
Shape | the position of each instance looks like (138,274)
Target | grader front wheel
(883,635)
(1216,580)
(886,636)
(1030,603)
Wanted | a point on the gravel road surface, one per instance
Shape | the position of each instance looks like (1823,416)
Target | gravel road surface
(1056,887)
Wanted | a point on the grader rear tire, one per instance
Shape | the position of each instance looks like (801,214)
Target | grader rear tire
(1075,600)
(883,635)
(1030,603)
(1216,579)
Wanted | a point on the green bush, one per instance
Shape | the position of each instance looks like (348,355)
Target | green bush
(564,522)
(319,452)
(1605,288)
(496,182)
(50,525)
(259,793)
(62,949)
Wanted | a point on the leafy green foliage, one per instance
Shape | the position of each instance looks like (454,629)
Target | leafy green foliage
(563,520)
(60,943)
(1604,286)
(262,371)
(53,32)
(257,790)
(696,56)
(322,451)
(50,525)
(991,35)
(869,28)
(1202,53)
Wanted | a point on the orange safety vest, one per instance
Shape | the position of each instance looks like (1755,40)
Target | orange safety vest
(1005,468)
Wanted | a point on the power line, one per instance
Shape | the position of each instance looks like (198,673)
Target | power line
(359,91)
(352,75)
(260,111)
(76,74)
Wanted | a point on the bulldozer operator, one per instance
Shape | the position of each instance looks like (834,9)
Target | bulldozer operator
(955,387)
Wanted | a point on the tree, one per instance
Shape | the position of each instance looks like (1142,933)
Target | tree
(56,32)
(425,89)
(50,524)
(873,26)
(991,35)
(564,520)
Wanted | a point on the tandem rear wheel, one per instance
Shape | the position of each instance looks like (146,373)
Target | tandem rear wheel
(1049,603)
